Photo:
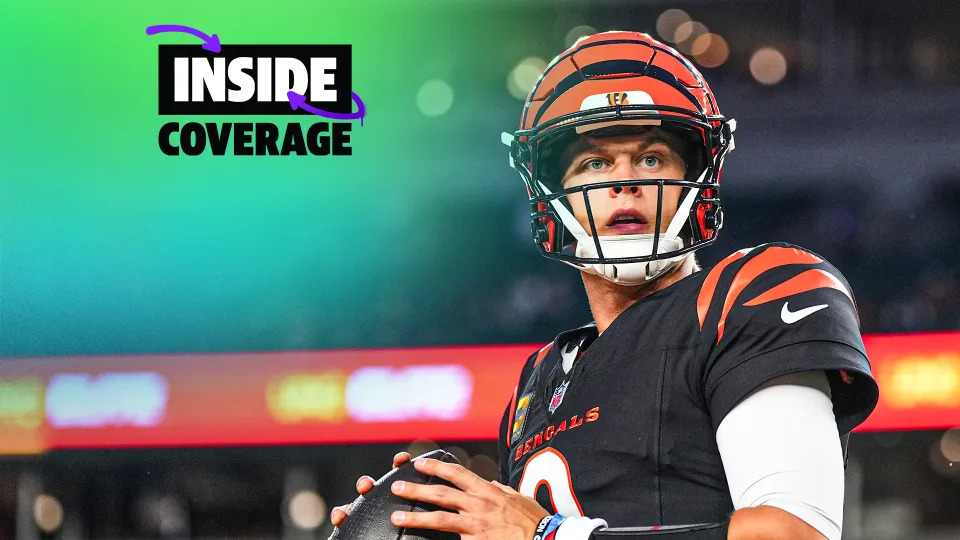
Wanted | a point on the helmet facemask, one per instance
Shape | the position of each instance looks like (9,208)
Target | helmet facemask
(628,259)
(608,82)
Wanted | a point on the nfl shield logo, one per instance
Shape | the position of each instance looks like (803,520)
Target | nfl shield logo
(558,397)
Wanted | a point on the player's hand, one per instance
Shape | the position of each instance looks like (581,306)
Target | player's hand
(482,510)
(364,483)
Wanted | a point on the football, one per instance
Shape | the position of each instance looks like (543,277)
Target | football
(368,518)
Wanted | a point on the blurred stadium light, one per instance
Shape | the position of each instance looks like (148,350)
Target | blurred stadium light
(47,513)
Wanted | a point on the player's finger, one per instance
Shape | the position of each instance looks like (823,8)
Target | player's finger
(337,515)
(437,521)
(454,473)
(364,483)
(438,494)
(400,459)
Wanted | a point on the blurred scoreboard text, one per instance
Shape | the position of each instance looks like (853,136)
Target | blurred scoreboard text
(355,396)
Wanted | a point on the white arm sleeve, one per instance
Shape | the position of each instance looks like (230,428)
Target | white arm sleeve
(780,447)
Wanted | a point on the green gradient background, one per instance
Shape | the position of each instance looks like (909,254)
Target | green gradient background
(109,246)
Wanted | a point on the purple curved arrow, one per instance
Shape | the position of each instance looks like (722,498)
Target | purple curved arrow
(210,43)
(299,101)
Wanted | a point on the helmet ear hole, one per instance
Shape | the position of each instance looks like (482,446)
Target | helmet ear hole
(709,216)
(715,219)
(544,229)
(540,233)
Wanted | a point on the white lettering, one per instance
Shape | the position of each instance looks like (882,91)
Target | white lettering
(242,79)
(213,78)
(284,68)
(320,79)
(181,79)
(264,76)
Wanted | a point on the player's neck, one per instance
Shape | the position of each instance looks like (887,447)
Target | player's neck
(608,300)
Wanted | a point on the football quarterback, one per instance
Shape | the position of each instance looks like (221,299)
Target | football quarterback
(699,404)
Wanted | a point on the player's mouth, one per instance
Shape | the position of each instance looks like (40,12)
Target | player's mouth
(627,221)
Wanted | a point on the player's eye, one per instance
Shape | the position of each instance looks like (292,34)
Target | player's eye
(594,164)
(650,161)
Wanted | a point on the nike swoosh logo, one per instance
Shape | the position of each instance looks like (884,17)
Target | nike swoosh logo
(791,317)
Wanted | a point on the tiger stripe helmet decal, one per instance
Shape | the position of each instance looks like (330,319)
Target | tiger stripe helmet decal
(615,79)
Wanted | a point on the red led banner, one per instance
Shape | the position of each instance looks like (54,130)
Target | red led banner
(356,396)
(919,378)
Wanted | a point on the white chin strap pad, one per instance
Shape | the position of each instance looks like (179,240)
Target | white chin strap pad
(628,245)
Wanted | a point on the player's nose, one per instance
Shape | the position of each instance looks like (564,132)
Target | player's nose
(623,170)
(615,191)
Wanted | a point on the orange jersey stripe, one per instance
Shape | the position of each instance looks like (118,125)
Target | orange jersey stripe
(710,285)
(543,352)
(772,257)
(807,281)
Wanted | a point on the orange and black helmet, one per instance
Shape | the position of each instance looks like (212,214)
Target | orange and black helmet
(609,80)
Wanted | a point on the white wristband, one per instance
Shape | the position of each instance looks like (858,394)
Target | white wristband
(578,528)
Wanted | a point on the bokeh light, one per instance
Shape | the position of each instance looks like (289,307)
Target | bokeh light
(711,50)
(420,447)
(171,516)
(928,59)
(669,20)
(701,43)
(950,445)
(768,66)
(307,510)
(524,75)
(48,513)
(484,466)
(462,456)
(941,464)
(687,34)
(435,98)
(578,32)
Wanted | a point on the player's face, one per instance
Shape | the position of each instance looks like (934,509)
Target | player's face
(624,209)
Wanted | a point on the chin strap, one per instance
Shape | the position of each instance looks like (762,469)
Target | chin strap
(683,209)
(627,245)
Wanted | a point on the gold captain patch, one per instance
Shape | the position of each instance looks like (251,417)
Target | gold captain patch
(520,417)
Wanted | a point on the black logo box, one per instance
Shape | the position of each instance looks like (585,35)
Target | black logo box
(342,78)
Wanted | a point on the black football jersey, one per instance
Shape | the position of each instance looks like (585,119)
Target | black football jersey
(629,433)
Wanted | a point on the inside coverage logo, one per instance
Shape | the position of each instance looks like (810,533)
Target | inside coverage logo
(278,80)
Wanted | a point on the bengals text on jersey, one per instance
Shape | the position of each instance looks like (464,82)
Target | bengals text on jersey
(628,434)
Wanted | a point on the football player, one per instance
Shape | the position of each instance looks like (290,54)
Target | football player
(699,404)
